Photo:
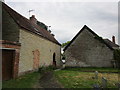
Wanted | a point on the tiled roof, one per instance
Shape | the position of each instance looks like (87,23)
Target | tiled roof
(28,25)
(111,43)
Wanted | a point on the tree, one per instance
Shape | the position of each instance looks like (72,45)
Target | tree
(66,43)
(117,57)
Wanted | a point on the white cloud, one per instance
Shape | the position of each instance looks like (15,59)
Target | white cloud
(62,0)
(67,18)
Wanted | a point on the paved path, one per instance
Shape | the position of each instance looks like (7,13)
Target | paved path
(49,81)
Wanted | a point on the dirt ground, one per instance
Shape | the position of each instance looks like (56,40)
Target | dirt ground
(48,81)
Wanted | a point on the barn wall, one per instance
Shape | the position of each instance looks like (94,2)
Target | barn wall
(10,30)
(87,51)
(31,43)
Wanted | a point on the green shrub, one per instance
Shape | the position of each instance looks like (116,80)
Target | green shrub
(44,69)
(63,57)
(117,56)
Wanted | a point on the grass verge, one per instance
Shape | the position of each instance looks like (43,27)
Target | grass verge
(112,70)
(76,79)
(26,81)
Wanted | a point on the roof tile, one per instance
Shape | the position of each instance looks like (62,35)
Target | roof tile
(28,25)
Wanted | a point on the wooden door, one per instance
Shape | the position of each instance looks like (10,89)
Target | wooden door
(7,64)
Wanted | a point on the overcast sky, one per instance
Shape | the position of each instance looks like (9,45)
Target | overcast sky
(67,18)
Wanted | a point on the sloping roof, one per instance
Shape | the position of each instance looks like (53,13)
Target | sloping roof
(111,43)
(97,37)
(28,25)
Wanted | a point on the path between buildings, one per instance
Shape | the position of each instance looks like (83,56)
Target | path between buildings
(48,81)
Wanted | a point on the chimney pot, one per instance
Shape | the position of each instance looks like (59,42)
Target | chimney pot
(33,19)
(113,39)
(33,16)
(53,35)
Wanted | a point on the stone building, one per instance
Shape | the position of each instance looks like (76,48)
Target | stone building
(26,44)
(87,49)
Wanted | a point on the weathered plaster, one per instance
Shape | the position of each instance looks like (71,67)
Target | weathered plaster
(31,42)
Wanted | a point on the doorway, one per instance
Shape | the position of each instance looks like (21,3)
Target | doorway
(7,64)
(54,60)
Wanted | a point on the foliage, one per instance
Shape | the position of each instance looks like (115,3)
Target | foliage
(99,38)
(26,81)
(117,57)
(77,79)
(117,54)
(42,25)
(63,56)
(66,43)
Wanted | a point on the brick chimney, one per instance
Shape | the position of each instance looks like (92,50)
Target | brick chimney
(113,39)
(33,19)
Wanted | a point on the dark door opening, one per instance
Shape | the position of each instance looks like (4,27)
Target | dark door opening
(54,60)
(7,64)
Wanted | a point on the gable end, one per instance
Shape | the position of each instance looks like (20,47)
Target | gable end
(96,37)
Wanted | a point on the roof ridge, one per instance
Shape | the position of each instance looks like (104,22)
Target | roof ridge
(111,42)
(87,28)
(14,10)
(25,23)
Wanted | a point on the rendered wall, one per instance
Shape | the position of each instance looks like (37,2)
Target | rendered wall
(30,43)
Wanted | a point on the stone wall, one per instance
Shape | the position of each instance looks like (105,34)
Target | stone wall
(10,30)
(30,43)
(86,51)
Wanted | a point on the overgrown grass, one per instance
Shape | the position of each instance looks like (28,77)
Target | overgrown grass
(26,81)
(76,79)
